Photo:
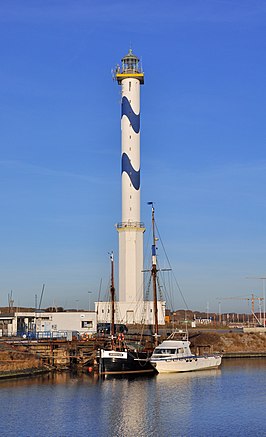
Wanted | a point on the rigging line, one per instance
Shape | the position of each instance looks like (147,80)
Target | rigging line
(167,288)
(119,318)
(177,284)
(170,290)
(147,246)
(161,278)
(100,289)
(106,294)
(148,288)
(161,281)
(99,296)
(162,274)
(159,289)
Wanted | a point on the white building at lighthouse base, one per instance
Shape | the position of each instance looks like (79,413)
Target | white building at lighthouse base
(131,312)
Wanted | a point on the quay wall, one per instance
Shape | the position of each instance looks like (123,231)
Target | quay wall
(14,361)
(230,343)
(256,330)
(20,357)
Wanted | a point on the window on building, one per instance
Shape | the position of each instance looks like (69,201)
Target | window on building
(86,324)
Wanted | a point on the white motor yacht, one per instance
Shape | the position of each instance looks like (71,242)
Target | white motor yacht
(174,355)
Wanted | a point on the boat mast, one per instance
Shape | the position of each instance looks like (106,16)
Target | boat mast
(154,277)
(112,292)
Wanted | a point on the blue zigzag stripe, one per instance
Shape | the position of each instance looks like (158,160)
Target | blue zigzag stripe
(127,110)
(133,174)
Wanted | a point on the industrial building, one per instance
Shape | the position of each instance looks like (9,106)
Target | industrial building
(48,324)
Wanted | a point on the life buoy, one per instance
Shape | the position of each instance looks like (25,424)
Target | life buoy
(121,337)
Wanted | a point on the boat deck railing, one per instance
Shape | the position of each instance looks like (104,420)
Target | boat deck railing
(130,224)
(187,358)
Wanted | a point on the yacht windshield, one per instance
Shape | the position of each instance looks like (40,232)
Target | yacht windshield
(164,351)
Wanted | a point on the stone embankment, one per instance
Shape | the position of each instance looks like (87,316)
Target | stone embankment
(20,357)
(14,362)
(231,344)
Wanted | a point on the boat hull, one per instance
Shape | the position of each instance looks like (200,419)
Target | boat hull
(188,364)
(125,363)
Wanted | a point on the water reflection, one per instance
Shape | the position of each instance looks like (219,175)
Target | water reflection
(146,405)
(249,364)
(228,401)
(47,378)
(128,408)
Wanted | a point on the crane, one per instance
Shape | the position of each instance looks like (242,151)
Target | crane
(263,286)
(252,299)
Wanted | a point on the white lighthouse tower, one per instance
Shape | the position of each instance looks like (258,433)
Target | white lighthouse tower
(131,307)
(130,229)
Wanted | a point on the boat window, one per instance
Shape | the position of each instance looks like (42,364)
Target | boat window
(180,351)
(165,351)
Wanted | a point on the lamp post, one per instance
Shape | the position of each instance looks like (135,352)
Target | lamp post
(220,314)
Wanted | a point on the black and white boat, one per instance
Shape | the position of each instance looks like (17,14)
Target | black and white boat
(125,362)
(119,359)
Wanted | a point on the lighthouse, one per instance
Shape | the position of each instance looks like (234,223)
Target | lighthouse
(130,230)
(131,307)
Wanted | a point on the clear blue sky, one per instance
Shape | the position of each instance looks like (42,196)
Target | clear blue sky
(203,157)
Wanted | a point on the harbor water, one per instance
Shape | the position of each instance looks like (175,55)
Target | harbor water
(230,401)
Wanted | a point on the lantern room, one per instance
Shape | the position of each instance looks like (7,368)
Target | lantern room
(130,68)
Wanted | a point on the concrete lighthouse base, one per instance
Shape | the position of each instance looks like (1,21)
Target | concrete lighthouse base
(131,312)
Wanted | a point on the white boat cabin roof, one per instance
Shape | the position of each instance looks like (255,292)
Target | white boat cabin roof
(173,344)
(177,339)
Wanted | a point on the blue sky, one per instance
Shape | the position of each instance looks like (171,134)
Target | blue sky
(203,157)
